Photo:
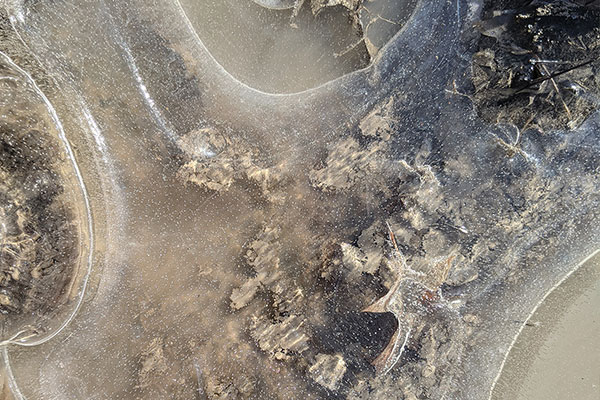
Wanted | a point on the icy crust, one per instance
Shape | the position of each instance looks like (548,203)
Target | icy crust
(38,232)
(329,38)
(375,231)
(295,311)
(461,220)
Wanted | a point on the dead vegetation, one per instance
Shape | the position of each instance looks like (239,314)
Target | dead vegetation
(538,63)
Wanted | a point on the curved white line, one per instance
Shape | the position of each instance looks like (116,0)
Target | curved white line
(564,278)
(71,155)
(373,62)
(276,4)
(12,383)
(144,90)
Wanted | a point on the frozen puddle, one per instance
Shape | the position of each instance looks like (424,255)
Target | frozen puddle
(278,218)
(557,355)
(287,46)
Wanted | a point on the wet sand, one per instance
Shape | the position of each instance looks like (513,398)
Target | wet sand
(557,355)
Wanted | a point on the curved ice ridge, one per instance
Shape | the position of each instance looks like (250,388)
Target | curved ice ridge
(14,340)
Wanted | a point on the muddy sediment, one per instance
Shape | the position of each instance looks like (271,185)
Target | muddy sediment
(341,272)
(38,236)
(313,270)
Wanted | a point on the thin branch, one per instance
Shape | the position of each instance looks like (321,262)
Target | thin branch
(551,76)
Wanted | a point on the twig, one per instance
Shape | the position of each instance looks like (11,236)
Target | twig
(558,92)
(551,76)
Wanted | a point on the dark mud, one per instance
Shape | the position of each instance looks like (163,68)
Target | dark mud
(38,240)
(40,233)
(537,63)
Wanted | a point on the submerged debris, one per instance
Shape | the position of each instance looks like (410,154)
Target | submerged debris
(263,257)
(295,307)
(409,292)
(214,162)
(328,370)
(153,362)
(537,64)
(281,340)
